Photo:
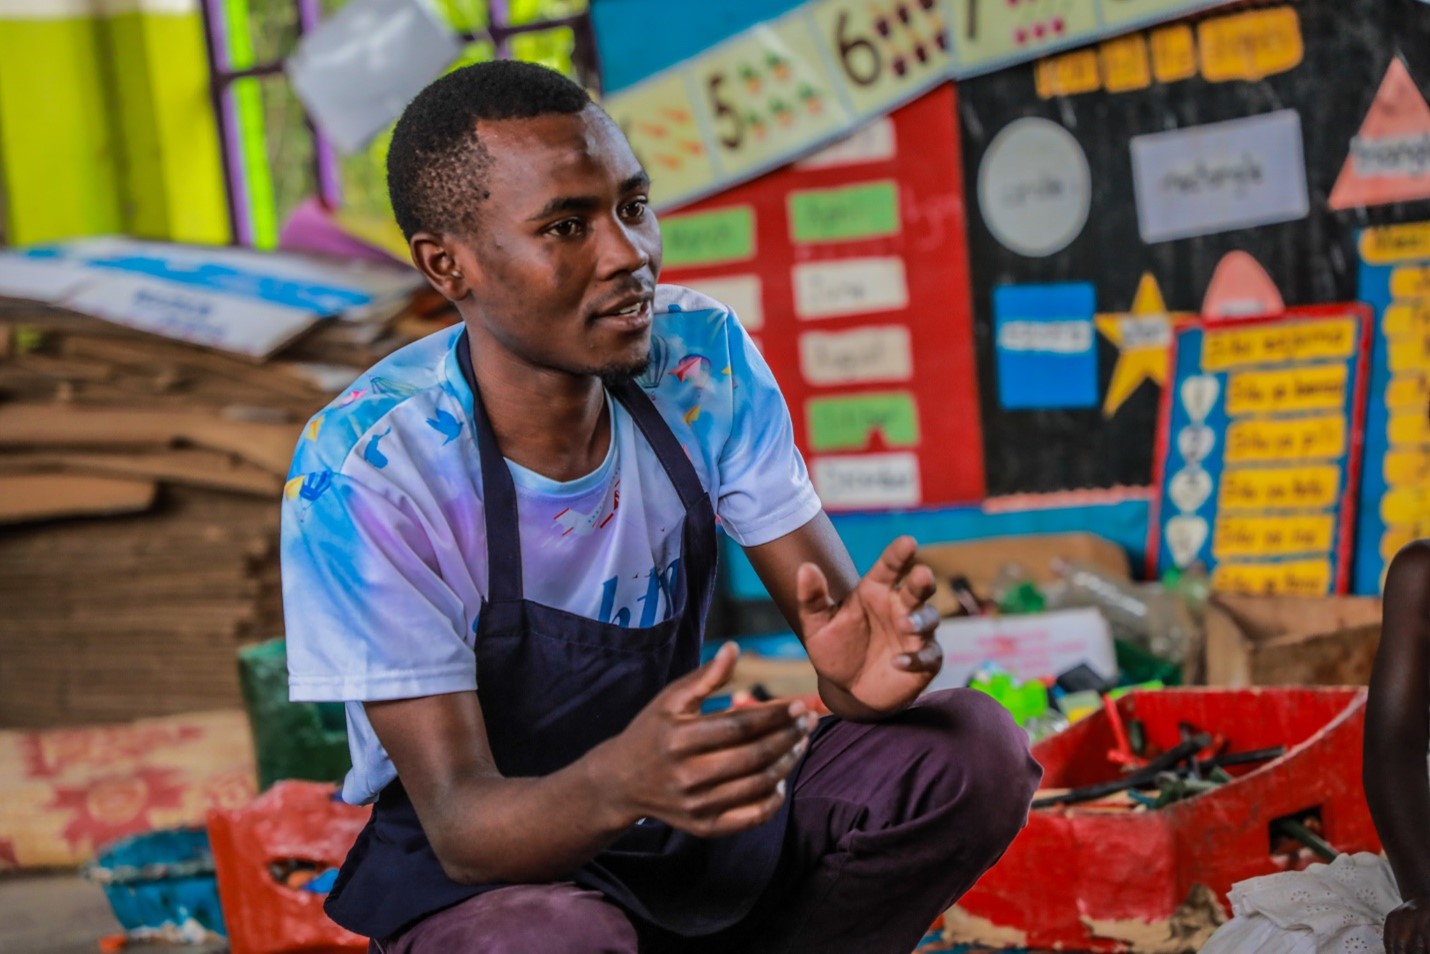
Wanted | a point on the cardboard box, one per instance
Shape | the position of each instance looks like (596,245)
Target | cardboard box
(1030,647)
(1287,640)
(980,560)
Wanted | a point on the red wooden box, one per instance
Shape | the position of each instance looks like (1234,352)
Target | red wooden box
(1129,869)
(291,822)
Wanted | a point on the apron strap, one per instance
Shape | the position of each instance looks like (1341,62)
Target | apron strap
(499,490)
(498,495)
(658,434)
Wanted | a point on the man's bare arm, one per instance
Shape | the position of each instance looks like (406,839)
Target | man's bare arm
(870,639)
(1397,729)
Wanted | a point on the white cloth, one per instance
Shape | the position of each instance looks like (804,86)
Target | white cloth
(384,539)
(1338,908)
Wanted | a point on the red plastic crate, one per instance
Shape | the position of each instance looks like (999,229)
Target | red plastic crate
(1074,865)
(292,821)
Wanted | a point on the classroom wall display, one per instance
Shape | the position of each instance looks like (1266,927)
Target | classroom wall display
(1395,495)
(1259,450)
(1389,158)
(1204,152)
(780,88)
(848,270)
(1219,177)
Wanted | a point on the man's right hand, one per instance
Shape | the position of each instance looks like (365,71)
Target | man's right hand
(1407,928)
(708,775)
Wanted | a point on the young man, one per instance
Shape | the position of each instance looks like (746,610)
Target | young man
(499,550)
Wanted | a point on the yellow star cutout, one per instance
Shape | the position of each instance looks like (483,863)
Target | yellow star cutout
(1143,337)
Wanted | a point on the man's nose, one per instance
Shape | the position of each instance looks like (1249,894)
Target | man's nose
(623,250)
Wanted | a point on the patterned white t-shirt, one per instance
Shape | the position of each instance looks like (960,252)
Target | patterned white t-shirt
(384,544)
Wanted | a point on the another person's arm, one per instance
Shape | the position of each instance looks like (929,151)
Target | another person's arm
(709,775)
(1397,740)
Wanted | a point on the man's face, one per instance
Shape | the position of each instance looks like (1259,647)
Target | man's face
(563,268)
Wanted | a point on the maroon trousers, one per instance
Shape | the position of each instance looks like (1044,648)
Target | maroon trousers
(891,822)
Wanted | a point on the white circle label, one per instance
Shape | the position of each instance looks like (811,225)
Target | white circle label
(1034,187)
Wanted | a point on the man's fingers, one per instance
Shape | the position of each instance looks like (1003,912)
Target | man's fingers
(744,790)
(922,621)
(717,767)
(735,727)
(918,587)
(686,693)
(894,562)
(928,659)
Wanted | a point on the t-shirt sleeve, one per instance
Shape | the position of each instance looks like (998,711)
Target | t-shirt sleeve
(765,491)
(367,614)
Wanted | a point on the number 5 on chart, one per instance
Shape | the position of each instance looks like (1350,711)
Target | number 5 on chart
(765,91)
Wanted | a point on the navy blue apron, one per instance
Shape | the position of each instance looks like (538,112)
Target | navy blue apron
(553,685)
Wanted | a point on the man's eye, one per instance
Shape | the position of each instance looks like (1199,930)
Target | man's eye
(567,228)
(635,210)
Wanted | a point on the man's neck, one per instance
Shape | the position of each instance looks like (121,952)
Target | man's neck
(550,422)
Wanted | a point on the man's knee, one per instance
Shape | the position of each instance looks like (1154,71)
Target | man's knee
(551,918)
(989,773)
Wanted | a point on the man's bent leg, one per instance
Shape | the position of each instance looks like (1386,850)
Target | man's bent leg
(558,918)
(893,821)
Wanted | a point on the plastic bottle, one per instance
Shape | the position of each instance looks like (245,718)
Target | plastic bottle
(1015,593)
(1148,616)
(1193,586)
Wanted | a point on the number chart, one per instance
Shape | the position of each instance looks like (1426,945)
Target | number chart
(1259,450)
(994,31)
(763,87)
(661,126)
(887,50)
(791,84)
(846,269)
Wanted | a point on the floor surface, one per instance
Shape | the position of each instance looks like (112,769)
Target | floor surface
(64,914)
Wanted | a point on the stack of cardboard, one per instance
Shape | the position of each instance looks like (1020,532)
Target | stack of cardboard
(139,488)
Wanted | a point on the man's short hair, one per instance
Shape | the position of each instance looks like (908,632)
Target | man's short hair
(437,164)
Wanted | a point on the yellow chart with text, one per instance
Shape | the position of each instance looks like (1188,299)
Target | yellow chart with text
(1262,447)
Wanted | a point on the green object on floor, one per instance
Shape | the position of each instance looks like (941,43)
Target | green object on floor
(1025,700)
(1022,599)
(1138,665)
(299,740)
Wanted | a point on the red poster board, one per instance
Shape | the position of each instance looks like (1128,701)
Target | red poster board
(850,270)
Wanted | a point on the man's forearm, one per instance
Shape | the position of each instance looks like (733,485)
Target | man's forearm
(492,829)
(1398,792)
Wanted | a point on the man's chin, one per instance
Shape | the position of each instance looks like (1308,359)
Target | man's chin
(617,372)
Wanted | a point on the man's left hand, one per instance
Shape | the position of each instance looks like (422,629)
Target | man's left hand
(877,643)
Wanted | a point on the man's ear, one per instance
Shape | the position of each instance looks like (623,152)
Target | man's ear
(439,267)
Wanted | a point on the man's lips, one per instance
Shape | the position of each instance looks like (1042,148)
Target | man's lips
(635,316)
